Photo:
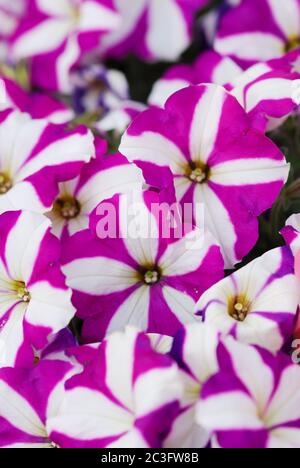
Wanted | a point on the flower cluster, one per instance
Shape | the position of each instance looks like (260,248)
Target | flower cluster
(149,224)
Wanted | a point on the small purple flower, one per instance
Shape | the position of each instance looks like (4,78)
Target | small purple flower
(258,303)
(98,89)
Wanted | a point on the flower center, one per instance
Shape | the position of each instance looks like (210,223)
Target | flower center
(22,292)
(197,173)
(293,43)
(239,308)
(5,183)
(68,207)
(151,277)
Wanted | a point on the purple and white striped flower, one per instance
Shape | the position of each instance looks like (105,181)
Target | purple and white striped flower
(35,156)
(143,28)
(35,302)
(154,277)
(259,30)
(254,401)
(217,159)
(27,399)
(127,397)
(195,351)
(57,34)
(269,91)
(100,179)
(258,303)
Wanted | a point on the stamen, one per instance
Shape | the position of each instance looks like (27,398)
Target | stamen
(198,175)
(5,183)
(293,43)
(68,208)
(23,293)
(239,308)
(151,277)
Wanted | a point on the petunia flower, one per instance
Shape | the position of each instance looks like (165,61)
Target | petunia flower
(35,302)
(268,91)
(217,159)
(57,34)
(27,399)
(100,179)
(254,401)
(143,28)
(127,397)
(142,275)
(259,30)
(258,303)
(195,351)
(34,157)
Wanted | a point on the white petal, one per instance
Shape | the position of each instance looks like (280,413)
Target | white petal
(99,275)
(156,388)
(256,375)
(154,148)
(284,437)
(134,311)
(73,148)
(250,172)
(23,244)
(18,412)
(139,229)
(105,184)
(217,221)
(205,124)
(120,348)
(87,415)
(233,410)
(61,8)
(287,16)
(250,46)
(45,37)
(94,16)
(12,337)
(285,405)
(186,255)
(166,46)
(163,89)
(182,305)
(49,307)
